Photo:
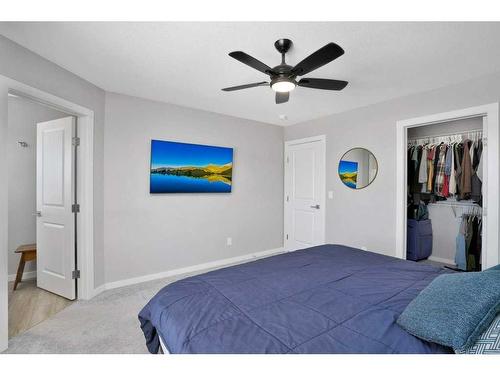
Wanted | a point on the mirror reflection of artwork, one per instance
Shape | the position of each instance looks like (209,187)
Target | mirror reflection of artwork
(357,168)
(190,168)
(348,172)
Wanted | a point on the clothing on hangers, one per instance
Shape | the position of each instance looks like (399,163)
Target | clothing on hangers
(453,182)
(465,178)
(440,170)
(469,243)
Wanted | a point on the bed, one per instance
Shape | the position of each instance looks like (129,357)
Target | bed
(324,299)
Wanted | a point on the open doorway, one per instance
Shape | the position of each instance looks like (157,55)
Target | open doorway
(461,128)
(34,138)
(84,226)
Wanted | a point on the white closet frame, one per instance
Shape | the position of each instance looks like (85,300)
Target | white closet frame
(491,173)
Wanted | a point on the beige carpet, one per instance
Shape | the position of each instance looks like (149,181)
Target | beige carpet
(107,323)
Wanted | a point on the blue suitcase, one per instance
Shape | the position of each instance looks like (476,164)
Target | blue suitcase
(419,239)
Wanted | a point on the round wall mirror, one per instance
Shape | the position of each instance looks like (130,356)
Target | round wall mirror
(358,168)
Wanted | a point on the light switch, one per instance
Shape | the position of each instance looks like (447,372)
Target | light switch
(330,194)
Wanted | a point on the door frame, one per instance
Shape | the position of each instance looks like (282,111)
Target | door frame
(489,112)
(84,186)
(322,140)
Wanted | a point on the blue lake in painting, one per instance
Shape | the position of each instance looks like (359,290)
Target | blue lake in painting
(165,183)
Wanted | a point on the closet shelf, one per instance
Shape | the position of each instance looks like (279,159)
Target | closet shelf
(455,204)
(471,134)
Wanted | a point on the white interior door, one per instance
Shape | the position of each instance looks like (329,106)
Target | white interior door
(304,193)
(55,195)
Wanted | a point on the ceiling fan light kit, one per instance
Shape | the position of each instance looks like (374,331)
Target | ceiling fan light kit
(281,84)
(283,76)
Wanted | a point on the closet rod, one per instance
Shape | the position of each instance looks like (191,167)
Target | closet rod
(447,134)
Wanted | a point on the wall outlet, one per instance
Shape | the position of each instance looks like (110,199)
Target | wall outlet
(330,194)
(229,241)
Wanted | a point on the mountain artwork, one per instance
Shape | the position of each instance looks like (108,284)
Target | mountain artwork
(190,168)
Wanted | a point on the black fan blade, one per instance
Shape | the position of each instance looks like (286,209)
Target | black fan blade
(282,97)
(241,87)
(317,59)
(250,61)
(323,84)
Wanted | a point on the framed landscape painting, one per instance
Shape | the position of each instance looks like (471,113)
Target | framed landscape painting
(348,172)
(190,168)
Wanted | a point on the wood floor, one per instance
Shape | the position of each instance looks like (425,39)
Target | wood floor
(29,305)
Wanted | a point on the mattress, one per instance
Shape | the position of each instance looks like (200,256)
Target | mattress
(325,299)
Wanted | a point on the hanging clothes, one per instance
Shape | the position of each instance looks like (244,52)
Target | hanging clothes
(440,170)
(476,183)
(460,255)
(479,168)
(430,168)
(469,243)
(422,172)
(458,165)
(453,182)
(465,178)
(474,244)
(437,151)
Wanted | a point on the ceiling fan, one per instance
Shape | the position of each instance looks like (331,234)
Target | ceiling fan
(283,76)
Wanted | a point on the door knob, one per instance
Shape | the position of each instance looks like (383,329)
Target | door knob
(316,206)
(38,214)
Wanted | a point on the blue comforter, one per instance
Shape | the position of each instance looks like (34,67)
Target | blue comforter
(325,299)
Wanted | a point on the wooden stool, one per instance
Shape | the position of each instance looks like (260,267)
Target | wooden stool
(28,252)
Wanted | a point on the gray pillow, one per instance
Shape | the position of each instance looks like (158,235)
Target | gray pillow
(453,310)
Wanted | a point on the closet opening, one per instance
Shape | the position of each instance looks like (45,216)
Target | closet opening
(444,193)
(447,208)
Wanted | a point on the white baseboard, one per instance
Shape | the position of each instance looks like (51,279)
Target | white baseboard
(180,271)
(98,290)
(442,260)
(26,276)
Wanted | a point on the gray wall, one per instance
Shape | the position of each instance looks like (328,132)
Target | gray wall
(22,65)
(147,234)
(23,116)
(367,217)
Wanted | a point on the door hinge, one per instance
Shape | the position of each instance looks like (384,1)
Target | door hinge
(287,236)
(287,198)
(287,159)
(75,208)
(485,141)
(75,274)
(75,141)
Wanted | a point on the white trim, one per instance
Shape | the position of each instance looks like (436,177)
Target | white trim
(490,185)
(442,260)
(26,276)
(85,186)
(318,138)
(190,269)
(98,290)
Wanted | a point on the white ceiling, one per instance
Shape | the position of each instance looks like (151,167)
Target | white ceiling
(187,63)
